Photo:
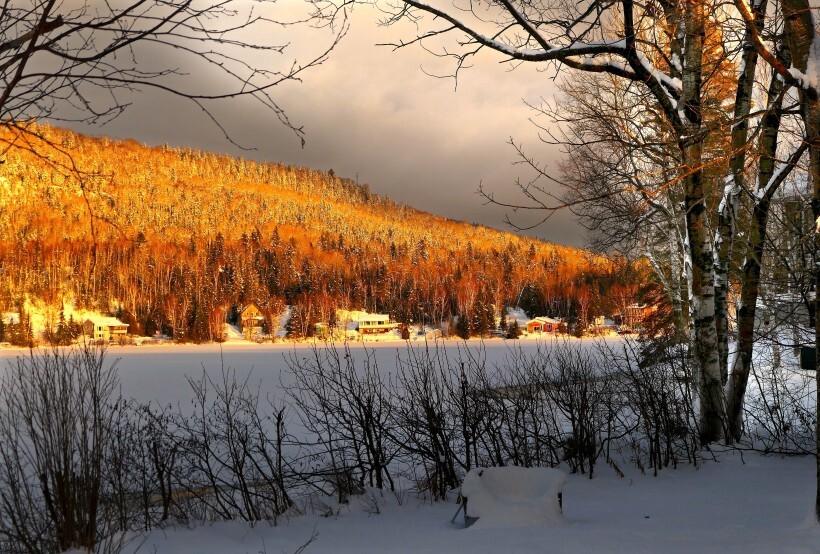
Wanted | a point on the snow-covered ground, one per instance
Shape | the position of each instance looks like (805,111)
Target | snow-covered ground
(158,372)
(736,504)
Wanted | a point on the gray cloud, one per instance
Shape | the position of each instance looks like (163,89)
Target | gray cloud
(374,113)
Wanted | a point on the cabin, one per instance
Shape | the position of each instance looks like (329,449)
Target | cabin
(635,315)
(105,328)
(543,325)
(251,318)
(371,324)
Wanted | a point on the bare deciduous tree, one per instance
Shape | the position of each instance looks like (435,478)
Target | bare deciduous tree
(56,411)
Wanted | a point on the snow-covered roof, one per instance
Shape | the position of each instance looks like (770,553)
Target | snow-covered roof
(364,316)
(106,321)
(518,315)
(544,319)
(248,307)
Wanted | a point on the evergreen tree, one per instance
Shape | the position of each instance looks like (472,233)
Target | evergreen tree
(20,333)
(503,324)
(75,328)
(513,330)
(530,301)
(63,334)
(480,325)
(296,325)
(463,327)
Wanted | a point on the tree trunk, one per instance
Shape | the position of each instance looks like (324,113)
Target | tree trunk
(691,137)
(735,181)
(750,280)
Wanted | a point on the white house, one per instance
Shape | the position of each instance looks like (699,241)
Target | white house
(370,324)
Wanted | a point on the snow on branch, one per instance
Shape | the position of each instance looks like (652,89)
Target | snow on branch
(780,174)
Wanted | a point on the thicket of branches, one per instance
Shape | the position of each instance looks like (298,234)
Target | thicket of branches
(84,468)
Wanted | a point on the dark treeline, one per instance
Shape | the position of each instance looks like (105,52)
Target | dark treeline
(179,239)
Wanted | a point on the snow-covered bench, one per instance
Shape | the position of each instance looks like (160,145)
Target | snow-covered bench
(513,496)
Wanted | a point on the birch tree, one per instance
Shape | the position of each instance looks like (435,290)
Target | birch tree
(661,53)
(605,37)
(802,36)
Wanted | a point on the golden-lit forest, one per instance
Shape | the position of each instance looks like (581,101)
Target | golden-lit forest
(176,240)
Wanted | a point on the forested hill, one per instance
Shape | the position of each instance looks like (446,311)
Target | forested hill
(175,238)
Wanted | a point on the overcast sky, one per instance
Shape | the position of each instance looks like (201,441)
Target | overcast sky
(374,114)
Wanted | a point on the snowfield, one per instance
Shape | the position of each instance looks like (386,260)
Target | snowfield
(734,502)
(158,373)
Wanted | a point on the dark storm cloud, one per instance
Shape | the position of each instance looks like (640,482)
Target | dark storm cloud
(374,114)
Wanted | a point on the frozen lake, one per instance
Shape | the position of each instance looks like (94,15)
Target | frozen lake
(159,373)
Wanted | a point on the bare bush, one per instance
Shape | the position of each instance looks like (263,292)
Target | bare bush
(426,426)
(56,413)
(346,411)
(527,431)
(779,414)
(654,381)
(143,462)
(231,464)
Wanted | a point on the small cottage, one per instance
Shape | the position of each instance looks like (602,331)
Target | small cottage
(543,325)
(635,314)
(251,317)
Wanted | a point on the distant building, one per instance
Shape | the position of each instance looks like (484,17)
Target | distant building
(370,324)
(635,315)
(105,328)
(543,325)
(251,318)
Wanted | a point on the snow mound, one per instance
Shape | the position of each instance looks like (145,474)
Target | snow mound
(513,496)
(232,333)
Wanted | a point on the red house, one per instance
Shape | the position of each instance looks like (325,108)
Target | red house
(543,325)
(635,314)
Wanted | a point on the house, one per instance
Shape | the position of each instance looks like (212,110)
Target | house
(370,324)
(105,328)
(635,315)
(11,318)
(251,318)
(543,325)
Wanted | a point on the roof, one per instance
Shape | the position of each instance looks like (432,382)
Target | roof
(249,306)
(364,316)
(107,321)
(544,319)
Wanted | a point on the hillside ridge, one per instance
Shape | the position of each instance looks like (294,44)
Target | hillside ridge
(170,238)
